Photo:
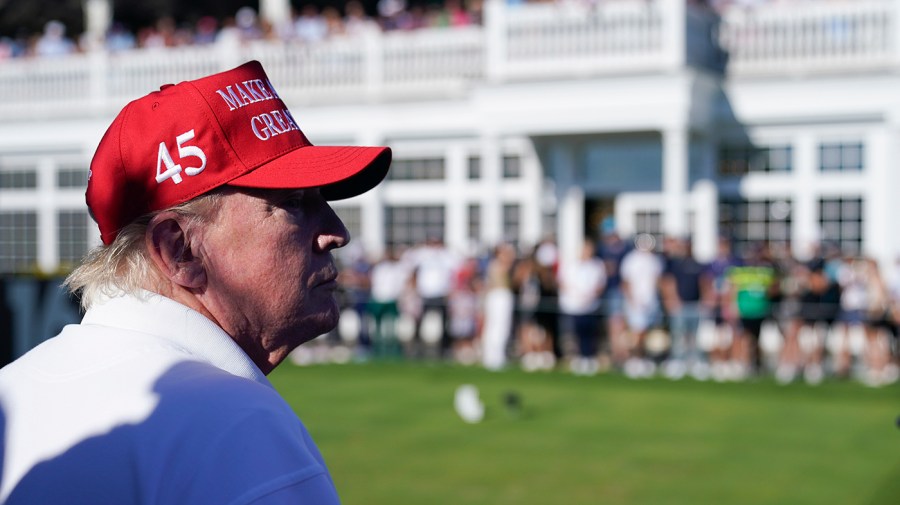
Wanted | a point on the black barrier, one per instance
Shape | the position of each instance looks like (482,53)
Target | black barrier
(31,311)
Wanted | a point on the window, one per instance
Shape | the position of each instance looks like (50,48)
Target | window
(18,241)
(474,168)
(72,236)
(649,222)
(752,222)
(409,226)
(741,160)
(841,223)
(512,167)
(415,170)
(71,178)
(475,223)
(841,157)
(18,178)
(512,217)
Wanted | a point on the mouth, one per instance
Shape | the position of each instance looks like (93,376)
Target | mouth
(327,279)
(328,284)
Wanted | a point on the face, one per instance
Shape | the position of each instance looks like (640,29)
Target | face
(270,273)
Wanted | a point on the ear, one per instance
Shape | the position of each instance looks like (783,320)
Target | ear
(170,250)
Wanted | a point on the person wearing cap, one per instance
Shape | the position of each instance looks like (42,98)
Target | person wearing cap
(216,263)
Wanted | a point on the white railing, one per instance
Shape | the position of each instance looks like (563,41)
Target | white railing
(811,36)
(532,41)
(560,39)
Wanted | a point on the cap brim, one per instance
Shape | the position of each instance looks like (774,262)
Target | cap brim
(340,171)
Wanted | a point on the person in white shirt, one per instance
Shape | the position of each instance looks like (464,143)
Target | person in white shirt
(216,263)
(641,270)
(581,283)
(434,267)
(389,279)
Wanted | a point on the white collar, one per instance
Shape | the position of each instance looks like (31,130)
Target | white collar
(182,326)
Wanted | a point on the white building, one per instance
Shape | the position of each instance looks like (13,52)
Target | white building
(544,121)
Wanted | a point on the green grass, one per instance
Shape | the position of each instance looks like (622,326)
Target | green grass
(390,436)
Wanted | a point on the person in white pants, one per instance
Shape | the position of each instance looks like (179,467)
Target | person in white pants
(499,303)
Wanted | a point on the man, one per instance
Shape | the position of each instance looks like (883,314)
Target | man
(683,289)
(640,271)
(215,264)
(581,284)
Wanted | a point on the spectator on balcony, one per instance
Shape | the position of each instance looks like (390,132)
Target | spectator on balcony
(165,33)
(356,22)
(244,27)
(389,12)
(452,14)
(53,42)
(7,48)
(334,23)
(310,26)
(119,39)
(205,31)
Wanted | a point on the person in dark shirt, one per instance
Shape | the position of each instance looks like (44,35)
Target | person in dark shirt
(682,286)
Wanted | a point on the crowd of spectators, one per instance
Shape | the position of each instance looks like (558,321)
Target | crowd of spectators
(309,23)
(624,306)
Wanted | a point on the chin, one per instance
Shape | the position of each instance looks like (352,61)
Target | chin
(319,324)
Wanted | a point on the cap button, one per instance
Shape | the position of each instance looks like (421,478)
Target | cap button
(164,86)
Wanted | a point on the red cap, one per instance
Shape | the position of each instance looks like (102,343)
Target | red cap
(229,128)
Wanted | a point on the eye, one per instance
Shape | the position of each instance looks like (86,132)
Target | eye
(294,200)
(292,203)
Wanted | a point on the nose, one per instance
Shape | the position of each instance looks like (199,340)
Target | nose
(334,234)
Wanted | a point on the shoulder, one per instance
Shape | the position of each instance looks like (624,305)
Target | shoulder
(207,391)
(232,434)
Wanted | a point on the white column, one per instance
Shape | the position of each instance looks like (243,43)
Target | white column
(276,12)
(570,218)
(47,218)
(879,224)
(675,180)
(372,205)
(705,197)
(532,200)
(491,178)
(456,207)
(97,18)
(805,230)
(495,39)
(895,29)
(892,177)
(674,42)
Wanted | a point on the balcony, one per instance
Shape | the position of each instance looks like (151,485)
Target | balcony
(529,42)
(813,37)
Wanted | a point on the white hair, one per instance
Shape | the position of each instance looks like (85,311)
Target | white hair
(124,267)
